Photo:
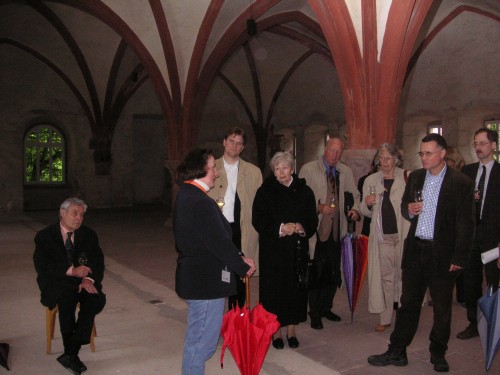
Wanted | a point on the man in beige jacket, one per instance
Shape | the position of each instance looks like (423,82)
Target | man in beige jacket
(235,191)
(329,179)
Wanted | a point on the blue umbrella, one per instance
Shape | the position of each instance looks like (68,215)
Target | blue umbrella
(489,330)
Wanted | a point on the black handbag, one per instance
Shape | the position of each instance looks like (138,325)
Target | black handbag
(321,270)
(302,266)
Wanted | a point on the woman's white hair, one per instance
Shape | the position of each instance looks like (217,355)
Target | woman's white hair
(281,157)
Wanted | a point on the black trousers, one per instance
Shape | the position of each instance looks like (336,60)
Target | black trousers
(240,296)
(423,274)
(76,332)
(473,281)
(321,299)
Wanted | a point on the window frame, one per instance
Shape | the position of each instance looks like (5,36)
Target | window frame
(51,144)
(435,125)
(494,124)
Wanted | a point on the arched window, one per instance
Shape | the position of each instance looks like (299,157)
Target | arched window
(44,156)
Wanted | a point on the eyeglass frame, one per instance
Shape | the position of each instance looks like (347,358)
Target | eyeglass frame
(482,144)
(428,154)
(385,158)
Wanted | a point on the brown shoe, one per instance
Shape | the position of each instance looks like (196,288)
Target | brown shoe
(381,327)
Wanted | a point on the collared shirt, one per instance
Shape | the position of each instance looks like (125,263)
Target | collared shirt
(202,184)
(489,167)
(332,169)
(230,197)
(432,187)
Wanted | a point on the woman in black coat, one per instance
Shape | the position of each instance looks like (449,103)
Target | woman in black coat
(284,212)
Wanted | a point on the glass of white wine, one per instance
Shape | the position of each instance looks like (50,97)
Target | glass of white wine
(333,202)
(372,190)
(419,196)
(220,202)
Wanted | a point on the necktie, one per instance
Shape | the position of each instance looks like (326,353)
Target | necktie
(480,188)
(69,247)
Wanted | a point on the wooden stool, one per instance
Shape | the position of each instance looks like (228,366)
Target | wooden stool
(50,322)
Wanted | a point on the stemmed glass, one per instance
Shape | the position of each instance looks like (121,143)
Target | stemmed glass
(419,197)
(333,202)
(220,201)
(83,259)
(477,194)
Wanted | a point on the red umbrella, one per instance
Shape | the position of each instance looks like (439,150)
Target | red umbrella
(354,264)
(248,335)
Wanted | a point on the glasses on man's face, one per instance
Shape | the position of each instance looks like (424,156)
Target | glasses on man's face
(475,144)
(427,154)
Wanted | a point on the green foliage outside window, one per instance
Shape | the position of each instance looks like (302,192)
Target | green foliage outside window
(495,125)
(44,156)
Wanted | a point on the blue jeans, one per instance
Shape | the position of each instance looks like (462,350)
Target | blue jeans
(204,322)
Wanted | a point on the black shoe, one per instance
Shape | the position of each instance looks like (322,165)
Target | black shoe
(440,364)
(332,316)
(292,342)
(278,343)
(83,368)
(70,363)
(390,357)
(316,323)
(468,333)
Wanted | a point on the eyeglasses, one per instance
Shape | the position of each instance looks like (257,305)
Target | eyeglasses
(427,154)
(475,144)
(385,158)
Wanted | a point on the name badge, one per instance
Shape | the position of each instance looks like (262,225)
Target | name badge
(226,276)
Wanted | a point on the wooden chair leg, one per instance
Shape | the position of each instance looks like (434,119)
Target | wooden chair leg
(50,322)
(92,335)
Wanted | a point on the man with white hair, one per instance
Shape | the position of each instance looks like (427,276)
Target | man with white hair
(70,267)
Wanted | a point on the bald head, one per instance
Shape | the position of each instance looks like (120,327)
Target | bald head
(333,151)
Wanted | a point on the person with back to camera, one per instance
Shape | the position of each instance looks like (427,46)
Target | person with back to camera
(70,267)
(284,214)
(208,261)
(383,192)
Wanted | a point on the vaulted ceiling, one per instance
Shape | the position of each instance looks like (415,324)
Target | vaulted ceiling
(106,52)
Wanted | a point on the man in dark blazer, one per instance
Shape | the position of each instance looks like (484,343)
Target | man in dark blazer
(487,224)
(436,249)
(70,267)
(208,261)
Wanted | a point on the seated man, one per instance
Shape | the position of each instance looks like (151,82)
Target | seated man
(70,268)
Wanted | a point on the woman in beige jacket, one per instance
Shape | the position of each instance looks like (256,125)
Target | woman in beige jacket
(383,191)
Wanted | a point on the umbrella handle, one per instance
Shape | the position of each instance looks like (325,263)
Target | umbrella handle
(247,289)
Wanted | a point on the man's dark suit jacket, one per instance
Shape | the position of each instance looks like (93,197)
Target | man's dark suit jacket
(488,232)
(51,262)
(203,239)
(454,223)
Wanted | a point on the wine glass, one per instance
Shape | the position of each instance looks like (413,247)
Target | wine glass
(220,202)
(372,189)
(333,202)
(83,259)
(419,196)
(477,194)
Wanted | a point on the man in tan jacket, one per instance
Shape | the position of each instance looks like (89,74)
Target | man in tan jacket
(329,179)
(235,191)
